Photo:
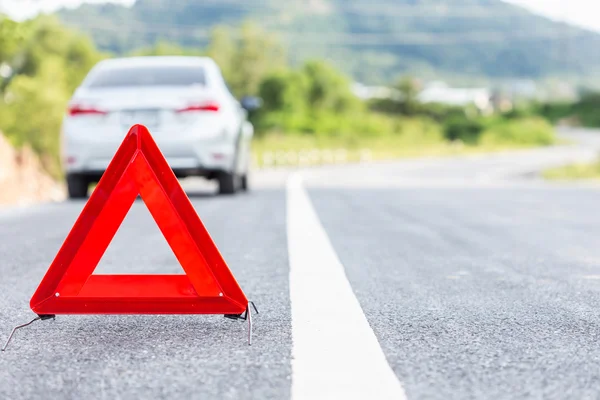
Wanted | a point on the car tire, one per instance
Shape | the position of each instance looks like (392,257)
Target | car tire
(227,183)
(77,186)
(244,182)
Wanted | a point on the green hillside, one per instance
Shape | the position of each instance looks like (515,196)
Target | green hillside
(374,41)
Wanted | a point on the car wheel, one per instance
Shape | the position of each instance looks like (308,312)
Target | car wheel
(227,183)
(244,182)
(77,186)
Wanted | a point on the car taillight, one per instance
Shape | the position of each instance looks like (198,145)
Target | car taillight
(211,106)
(83,110)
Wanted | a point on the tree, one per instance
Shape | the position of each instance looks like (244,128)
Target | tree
(47,38)
(246,57)
(12,35)
(284,90)
(163,48)
(409,91)
(48,62)
(35,109)
(221,49)
(328,89)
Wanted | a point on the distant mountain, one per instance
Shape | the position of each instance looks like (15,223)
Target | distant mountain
(374,41)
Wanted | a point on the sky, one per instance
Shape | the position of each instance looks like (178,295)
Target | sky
(578,12)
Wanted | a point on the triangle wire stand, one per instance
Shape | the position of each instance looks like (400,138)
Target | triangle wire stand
(246,316)
(16,328)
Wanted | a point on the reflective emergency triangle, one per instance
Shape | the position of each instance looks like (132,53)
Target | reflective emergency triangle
(138,167)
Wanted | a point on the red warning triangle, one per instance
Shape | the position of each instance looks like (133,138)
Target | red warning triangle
(138,167)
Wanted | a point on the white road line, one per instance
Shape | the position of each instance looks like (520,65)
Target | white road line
(335,353)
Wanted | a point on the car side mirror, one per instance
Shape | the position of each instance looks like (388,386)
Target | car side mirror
(251,103)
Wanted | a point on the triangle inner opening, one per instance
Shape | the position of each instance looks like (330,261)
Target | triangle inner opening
(138,247)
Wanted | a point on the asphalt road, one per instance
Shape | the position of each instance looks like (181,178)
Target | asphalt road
(464,278)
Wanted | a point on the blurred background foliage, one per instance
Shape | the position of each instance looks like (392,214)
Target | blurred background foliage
(41,63)
(374,41)
(312,104)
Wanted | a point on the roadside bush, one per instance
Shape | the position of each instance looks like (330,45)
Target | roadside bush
(519,112)
(442,112)
(555,111)
(587,110)
(437,112)
(533,131)
(583,112)
(419,132)
(461,128)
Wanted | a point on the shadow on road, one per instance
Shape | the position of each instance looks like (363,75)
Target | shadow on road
(196,194)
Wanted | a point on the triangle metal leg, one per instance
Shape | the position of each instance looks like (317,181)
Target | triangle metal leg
(12,333)
(246,316)
(249,314)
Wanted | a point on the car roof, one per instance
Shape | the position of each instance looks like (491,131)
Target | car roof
(155,61)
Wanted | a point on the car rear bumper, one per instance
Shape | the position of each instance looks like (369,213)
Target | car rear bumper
(95,175)
(185,157)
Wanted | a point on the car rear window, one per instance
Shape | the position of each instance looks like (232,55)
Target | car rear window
(148,76)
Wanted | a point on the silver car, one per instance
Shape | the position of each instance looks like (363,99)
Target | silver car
(200,127)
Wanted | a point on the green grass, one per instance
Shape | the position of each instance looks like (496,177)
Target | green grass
(289,150)
(574,172)
(372,136)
